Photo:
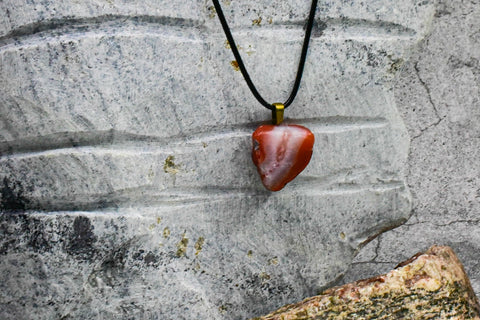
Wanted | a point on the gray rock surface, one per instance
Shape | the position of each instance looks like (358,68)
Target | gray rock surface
(127,188)
(438,94)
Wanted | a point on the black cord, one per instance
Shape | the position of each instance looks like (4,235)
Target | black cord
(241,65)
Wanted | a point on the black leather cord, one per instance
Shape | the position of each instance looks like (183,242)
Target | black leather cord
(241,65)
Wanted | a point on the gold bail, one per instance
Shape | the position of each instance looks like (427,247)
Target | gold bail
(277,114)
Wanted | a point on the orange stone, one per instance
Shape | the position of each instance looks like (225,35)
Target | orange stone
(281,152)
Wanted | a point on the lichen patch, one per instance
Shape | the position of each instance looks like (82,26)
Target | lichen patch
(182,246)
(235,65)
(169,166)
(199,245)
(166,232)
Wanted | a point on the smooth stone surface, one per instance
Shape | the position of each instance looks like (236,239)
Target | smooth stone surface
(438,94)
(127,188)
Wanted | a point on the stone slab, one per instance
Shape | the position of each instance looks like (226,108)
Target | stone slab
(438,94)
(127,188)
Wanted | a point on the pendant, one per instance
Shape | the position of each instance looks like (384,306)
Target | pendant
(280,152)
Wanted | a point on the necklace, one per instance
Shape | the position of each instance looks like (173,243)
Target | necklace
(280,151)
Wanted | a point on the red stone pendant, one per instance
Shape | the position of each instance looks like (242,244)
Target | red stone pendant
(281,152)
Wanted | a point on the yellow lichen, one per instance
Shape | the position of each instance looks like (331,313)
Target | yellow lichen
(257,21)
(264,276)
(166,232)
(182,246)
(199,245)
(235,66)
(169,166)
(211,12)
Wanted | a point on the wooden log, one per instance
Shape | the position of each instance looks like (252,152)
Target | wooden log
(430,285)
